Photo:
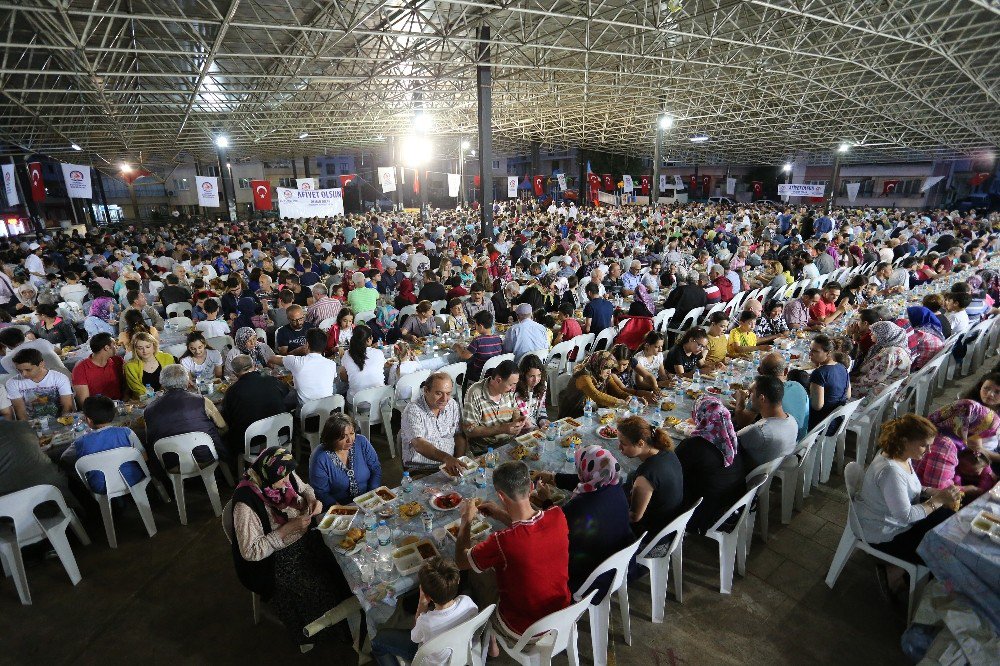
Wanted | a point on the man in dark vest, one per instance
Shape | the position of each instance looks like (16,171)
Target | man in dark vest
(178,412)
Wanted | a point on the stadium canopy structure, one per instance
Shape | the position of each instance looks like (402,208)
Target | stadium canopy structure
(151,81)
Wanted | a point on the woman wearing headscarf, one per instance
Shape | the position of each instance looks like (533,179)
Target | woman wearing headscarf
(101,318)
(711,463)
(27,299)
(246,342)
(926,338)
(963,424)
(386,318)
(275,552)
(597,512)
(887,361)
(642,303)
(405,296)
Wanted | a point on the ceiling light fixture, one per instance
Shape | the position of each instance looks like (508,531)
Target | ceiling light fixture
(698,138)
(222,141)
(75,147)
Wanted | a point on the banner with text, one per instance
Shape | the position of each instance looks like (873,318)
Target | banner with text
(730,186)
(208,191)
(561,177)
(627,180)
(10,185)
(305,183)
(77,178)
(678,183)
(310,203)
(607,198)
(387,179)
(800,190)
(852,191)
(512,186)
(454,184)
(663,182)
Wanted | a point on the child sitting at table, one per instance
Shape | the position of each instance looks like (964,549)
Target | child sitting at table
(973,473)
(440,608)
(718,342)
(99,412)
(457,321)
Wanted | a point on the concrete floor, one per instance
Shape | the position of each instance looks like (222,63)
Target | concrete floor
(175,598)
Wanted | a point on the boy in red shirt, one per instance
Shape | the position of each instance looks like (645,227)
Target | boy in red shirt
(530,557)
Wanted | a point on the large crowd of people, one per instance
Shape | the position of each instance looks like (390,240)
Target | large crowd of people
(348,304)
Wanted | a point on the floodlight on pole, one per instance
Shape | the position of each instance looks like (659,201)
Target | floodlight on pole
(222,141)
(465,145)
(666,122)
(787,168)
(422,122)
(843,148)
(416,150)
(75,146)
(126,168)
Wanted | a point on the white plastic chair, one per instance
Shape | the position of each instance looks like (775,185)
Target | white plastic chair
(582,344)
(187,467)
(442,321)
(408,310)
(313,416)
(375,397)
(182,309)
(407,386)
(465,642)
(690,319)
(866,424)
(600,613)
(364,317)
(494,361)
(561,633)
(661,319)
(831,445)
(275,430)
(109,463)
(763,504)
(605,338)
(853,537)
(542,354)
(221,344)
(718,307)
(28,528)
(457,373)
(327,323)
(659,567)
(439,306)
(733,544)
(792,474)
(181,323)
(176,350)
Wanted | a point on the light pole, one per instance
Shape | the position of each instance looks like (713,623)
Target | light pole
(126,172)
(842,149)
(788,178)
(221,143)
(662,125)
(463,146)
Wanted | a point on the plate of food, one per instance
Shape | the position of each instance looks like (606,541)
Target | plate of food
(738,386)
(671,421)
(352,542)
(530,438)
(668,405)
(470,465)
(568,423)
(480,528)
(66,420)
(610,417)
(338,519)
(556,496)
(373,499)
(44,442)
(445,501)
(686,427)
(521,452)
(714,390)
(571,440)
(693,394)
(410,510)
(607,432)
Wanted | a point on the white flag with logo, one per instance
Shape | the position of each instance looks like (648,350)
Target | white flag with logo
(627,182)
(562,180)
(305,183)
(663,182)
(730,186)
(454,184)
(678,183)
(512,186)
(852,191)
(10,185)
(208,191)
(387,178)
(77,178)
(930,182)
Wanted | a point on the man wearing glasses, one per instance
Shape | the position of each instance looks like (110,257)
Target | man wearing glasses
(291,338)
(688,355)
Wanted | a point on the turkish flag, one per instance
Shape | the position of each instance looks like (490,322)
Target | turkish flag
(644,185)
(692,185)
(758,189)
(538,182)
(608,182)
(475,181)
(595,185)
(348,179)
(889,187)
(706,185)
(978,179)
(135,174)
(37,183)
(261,194)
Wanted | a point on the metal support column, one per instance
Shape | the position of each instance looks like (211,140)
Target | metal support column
(655,189)
(104,196)
(224,189)
(484,98)
(834,182)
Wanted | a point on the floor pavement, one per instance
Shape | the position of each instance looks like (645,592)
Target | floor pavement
(175,598)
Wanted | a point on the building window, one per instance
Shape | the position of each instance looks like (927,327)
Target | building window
(244,183)
(496,164)
(331,169)
(345,168)
(212,171)
(182,184)
(286,182)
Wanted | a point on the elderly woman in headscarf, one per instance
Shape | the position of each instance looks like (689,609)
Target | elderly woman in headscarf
(597,511)
(926,338)
(711,463)
(386,318)
(405,296)
(961,425)
(102,317)
(887,360)
(27,299)
(642,303)
(247,343)
(275,552)
(591,380)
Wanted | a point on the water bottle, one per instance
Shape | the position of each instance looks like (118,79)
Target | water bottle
(428,346)
(491,459)
(571,453)
(696,379)
(481,478)
(150,393)
(384,534)
(550,433)
(633,406)
(407,482)
(588,409)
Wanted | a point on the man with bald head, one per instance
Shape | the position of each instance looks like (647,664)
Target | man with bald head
(794,402)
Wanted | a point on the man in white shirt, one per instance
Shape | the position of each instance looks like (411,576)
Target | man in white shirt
(34,265)
(37,391)
(313,373)
(212,326)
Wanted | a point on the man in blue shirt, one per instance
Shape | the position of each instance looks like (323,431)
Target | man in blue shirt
(100,411)
(526,335)
(597,314)
(824,225)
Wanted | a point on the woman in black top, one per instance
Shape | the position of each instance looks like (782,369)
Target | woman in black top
(656,488)
(689,354)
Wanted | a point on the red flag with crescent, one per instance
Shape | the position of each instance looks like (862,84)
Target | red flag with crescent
(37,182)
(348,179)
(692,185)
(644,185)
(889,187)
(608,182)
(261,194)
(538,182)
(706,185)
(758,189)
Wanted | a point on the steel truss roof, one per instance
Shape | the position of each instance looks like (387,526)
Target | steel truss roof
(153,80)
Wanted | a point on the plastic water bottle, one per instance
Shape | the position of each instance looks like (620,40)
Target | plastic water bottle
(633,406)
(481,478)
(571,453)
(384,534)
(407,482)
(150,393)
(588,409)
(696,379)
(491,459)
(550,433)
(428,346)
